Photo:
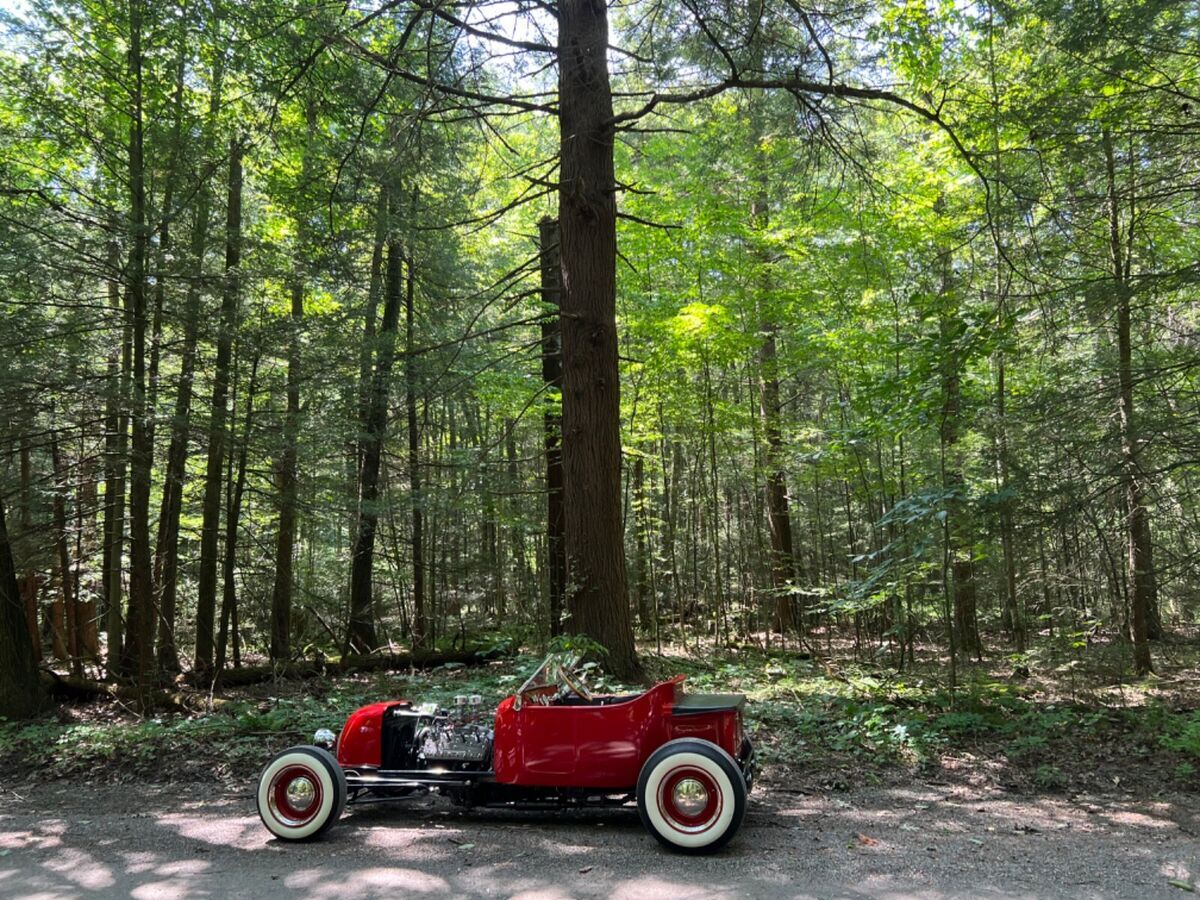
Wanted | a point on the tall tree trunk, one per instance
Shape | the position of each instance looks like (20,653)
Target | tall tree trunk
(641,588)
(19,688)
(1143,597)
(1012,608)
(587,215)
(86,502)
(285,548)
(69,601)
(516,535)
(140,634)
(162,254)
(361,635)
(959,552)
(779,519)
(206,594)
(116,442)
(556,552)
(233,515)
(420,620)
(366,354)
(166,547)
(29,583)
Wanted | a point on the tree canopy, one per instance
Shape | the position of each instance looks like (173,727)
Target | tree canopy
(411,324)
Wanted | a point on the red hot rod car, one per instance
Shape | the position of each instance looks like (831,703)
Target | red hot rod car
(683,758)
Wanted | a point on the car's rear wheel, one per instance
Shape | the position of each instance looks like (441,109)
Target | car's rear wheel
(301,793)
(691,796)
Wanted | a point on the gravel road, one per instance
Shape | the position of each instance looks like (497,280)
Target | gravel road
(923,840)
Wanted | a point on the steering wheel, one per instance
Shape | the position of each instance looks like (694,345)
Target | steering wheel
(571,686)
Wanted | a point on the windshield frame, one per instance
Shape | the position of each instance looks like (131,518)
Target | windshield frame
(552,672)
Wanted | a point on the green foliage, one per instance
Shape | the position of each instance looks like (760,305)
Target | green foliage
(1183,734)
(1027,745)
(1050,777)
(579,645)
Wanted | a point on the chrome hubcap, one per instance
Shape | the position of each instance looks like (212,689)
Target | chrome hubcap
(690,797)
(300,794)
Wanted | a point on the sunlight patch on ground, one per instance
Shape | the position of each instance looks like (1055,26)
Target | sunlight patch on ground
(243,833)
(654,886)
(81,869)
(376,881)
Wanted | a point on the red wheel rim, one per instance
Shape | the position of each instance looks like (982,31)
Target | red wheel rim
(689,799)
(295,796)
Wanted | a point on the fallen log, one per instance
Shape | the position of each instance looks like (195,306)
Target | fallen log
(383,662)
(73,687)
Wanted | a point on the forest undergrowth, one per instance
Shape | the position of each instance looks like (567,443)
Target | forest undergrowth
(1052,720)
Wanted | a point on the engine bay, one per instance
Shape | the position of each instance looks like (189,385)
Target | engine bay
(430,737)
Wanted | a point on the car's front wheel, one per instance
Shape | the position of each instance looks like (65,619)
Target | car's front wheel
(691,795)
(301,793)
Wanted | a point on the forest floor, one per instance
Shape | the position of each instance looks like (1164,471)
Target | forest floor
(1047,774)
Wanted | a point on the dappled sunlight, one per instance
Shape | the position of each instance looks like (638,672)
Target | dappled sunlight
(373,881)
(540,893)
(406,843)
(560,848)
(1186,872)
(656,886)
(183,884)
(16,840)
(80,868)
(244,832)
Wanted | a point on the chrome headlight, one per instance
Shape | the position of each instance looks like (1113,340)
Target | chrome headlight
(325,738)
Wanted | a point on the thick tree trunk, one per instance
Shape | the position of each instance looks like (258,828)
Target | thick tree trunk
(1144,589)
(140,633)
(166,547)
(206,595)
(556,553)
(20,694)
(598,602)
(420,622)
(361,634)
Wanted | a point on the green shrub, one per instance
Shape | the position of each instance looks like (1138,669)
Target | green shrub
(1183,734)
(1025,745)
(1050,777)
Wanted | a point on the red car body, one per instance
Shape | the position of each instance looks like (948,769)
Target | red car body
(579,746)
(684,758)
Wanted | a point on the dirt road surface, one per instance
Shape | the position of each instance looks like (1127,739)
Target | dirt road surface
(924,840)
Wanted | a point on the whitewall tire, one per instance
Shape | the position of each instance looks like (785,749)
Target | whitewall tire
(691,796)
(301,793)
